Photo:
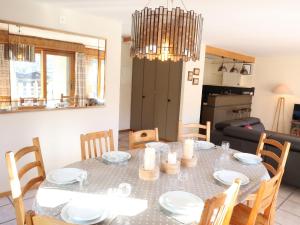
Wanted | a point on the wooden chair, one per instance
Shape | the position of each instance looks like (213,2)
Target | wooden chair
(193,131)
(32,219)
(16,175)
(138,139)
(218,210)
(263,209)
(90,146)
(72,100)
(280,159)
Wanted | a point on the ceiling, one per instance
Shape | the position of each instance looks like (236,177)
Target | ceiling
(256,27)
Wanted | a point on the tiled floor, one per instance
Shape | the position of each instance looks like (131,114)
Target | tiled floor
(288,204)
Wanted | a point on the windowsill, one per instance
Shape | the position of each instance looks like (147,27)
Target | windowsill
(41,109)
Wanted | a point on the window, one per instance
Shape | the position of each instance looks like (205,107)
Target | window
(95,77)
(92,78)
(43,80)
(58,76)
(25,78)
(45,69)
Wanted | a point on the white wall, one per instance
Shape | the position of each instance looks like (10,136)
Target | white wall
(211,74)
(190,103)
(59,130)
(269,72)
(125,87)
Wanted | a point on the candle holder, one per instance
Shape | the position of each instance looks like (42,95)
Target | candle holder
(149,164)
(189,162)
(170,168)
(188,157)
(170,160)
(149,175)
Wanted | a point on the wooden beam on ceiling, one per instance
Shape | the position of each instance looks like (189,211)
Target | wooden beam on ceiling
(229,54)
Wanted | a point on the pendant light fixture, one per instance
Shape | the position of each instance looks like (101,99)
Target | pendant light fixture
(222,68)
(234,69)
(17,51)
(166,34)
(244,71)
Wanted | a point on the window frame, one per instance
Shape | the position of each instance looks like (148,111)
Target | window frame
(44,53)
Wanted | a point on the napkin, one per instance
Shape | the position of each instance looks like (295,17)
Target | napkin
(184,219)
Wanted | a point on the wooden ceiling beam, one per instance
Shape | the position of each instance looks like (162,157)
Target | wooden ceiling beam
(229,54)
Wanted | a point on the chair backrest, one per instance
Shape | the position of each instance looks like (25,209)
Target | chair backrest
(218,210)
(191,130)
(280,159)
(16,175)
(95,144)
(32,219)
(266,199)
(5,101)
(138,139)
(72,100)
(30,99)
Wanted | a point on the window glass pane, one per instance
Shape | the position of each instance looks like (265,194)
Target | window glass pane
(102,86)
(25,78)
(58,76)
(92,78)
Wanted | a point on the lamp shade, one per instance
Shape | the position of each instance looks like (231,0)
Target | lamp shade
(282,89)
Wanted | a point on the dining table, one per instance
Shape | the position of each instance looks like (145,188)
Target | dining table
(144,195)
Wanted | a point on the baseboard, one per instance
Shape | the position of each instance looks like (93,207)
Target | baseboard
(5,194)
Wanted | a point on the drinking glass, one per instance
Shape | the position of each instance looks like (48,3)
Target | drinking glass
(182,179)
(124,189)
(225,146)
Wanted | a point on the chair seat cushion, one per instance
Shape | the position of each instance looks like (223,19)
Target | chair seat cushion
(241,214)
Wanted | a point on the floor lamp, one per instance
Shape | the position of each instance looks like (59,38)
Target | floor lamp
(281,90)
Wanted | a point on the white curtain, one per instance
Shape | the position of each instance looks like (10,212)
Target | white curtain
(80,78)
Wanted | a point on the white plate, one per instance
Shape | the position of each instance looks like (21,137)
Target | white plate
(247,158)
(161,146)
(65,175)
(82,214)
(204,145)
(228,177)
(116,156)
(180,202)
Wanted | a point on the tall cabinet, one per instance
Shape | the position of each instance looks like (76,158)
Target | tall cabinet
(155,100)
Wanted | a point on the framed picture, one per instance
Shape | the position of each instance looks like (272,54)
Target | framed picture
(190,75)
(248,67)
(196,71)
(195,81)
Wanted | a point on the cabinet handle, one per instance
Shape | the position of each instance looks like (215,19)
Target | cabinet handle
(169,100)
(143,96)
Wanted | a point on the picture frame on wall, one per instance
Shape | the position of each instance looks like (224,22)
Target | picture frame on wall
(190,75)
(195,81)
(196,71)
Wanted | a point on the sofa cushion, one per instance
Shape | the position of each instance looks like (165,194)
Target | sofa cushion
(238,123)
(295,141)
(242,133)
(259,127)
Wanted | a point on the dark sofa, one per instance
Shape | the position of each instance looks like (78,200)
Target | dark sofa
(242,138)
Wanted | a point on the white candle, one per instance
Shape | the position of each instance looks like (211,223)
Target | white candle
(188,149)
(172,157)
(149,159)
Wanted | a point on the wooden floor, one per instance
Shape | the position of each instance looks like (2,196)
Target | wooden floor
(288,207)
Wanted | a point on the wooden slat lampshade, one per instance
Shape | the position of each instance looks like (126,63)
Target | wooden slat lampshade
(166,34)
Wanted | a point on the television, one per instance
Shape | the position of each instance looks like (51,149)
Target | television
(296,113)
